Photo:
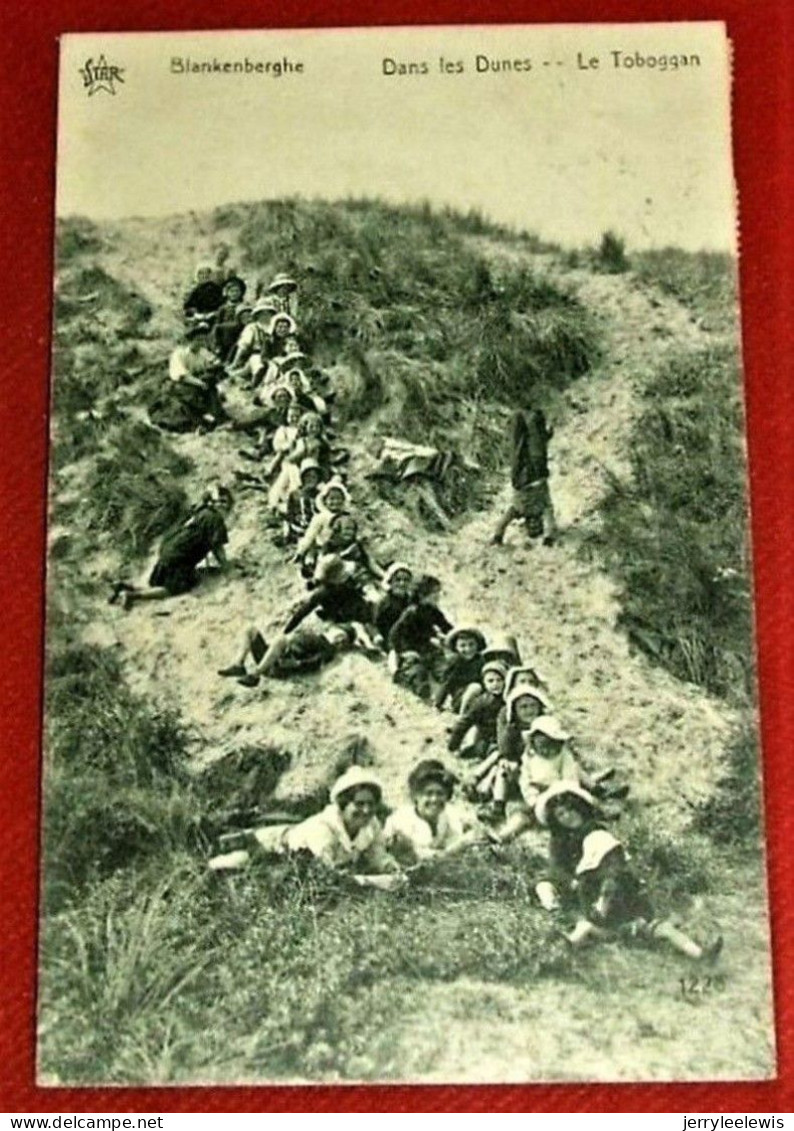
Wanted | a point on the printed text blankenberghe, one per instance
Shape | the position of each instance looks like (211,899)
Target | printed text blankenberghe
(276,68)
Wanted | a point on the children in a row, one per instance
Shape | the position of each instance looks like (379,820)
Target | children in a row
(588,874)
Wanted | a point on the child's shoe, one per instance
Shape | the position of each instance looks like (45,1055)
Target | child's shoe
(249,680)
(236,670)
(712,952)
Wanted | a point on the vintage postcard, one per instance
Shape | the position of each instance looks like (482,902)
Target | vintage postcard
(400,692)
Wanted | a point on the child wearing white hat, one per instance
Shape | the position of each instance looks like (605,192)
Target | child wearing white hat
(346,835)
(591,866)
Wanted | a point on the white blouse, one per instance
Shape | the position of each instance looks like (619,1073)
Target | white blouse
(409,834)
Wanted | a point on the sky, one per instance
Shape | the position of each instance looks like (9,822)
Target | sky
(561,145)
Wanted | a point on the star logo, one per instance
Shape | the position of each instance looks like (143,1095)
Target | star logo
(100,75)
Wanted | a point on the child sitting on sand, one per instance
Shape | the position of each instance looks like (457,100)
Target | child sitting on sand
(332,499)
(414,654)
(190,400)
(289,654)
(524,702)
(480,714)
(589,865)
(397,582)
(546,761)
(337,597)
(529,476)
(284,438)
(228,325)
(462,670)
(497,776)
(283,291)
(252,343)
(309,443)
(345,541)
(281,338)
(205,297)
(301,503)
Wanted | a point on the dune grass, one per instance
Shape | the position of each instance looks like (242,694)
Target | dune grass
(156,971)
(675,535)
(132,489)
(415,322)
(705,281)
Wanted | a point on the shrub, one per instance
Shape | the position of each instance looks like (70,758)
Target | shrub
(611,254)
(732,816)
(115,788)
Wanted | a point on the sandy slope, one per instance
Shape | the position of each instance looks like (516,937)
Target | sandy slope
(623,710)
(667,735)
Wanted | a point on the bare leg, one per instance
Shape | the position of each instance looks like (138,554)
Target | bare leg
(682,942)
(547,895)
(584,932)
(246,649)
(510,515)
(230,861)
(154,593)
(515,824)
(550,528)
(364,638)
(272,656)
(470,693)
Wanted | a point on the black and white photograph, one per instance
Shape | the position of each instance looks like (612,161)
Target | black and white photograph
(400,696)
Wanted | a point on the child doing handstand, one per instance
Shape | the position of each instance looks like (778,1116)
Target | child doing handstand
(529,475)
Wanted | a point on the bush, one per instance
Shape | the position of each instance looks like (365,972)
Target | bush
(115,787)
(732,816)
(611,254)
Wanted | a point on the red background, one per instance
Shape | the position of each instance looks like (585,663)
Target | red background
(763,124)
